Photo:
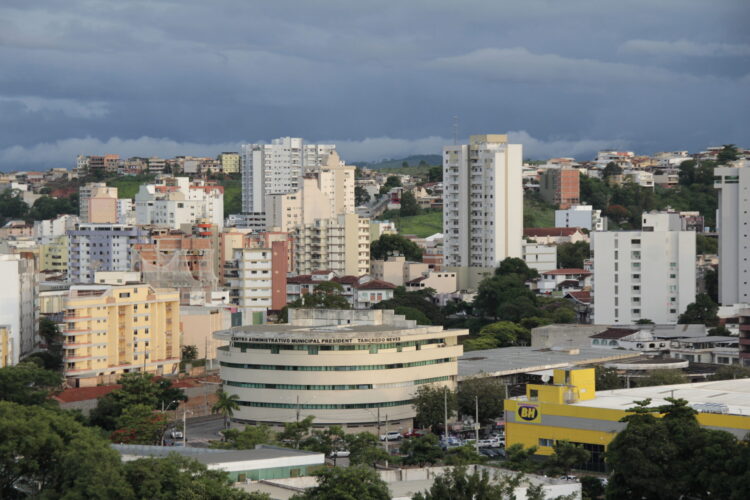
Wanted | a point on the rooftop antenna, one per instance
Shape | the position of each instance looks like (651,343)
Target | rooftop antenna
(455,130)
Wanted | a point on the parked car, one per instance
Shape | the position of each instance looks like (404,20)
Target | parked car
(340,453)
(176,434)
(391,436)
(414,433)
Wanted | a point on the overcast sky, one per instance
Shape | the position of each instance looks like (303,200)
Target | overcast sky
(379,79)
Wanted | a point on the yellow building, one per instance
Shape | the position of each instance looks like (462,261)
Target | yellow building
(6,346)
(53,256)
(569,409)
(110,330)
(230,163)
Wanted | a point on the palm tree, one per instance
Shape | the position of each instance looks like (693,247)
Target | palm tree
(225,405)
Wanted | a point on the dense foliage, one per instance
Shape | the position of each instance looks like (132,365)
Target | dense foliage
(394,244)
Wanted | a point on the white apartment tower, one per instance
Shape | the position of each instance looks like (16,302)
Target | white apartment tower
(482,202)
(733,221)
(647,274)
(277,168)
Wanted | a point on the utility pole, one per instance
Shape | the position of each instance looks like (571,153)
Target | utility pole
(378,422)
(445,407)
(476,422)
(184,427)
(387,452)
(297,408)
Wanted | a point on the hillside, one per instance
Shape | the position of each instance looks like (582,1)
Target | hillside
(412,161)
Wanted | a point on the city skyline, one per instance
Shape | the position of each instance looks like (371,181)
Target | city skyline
(166,79)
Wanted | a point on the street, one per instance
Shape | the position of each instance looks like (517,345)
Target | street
(201,430)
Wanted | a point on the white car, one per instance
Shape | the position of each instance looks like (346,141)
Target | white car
(391,436)
(176,434)
(340,453)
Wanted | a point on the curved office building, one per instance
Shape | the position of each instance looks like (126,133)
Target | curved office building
(355,368)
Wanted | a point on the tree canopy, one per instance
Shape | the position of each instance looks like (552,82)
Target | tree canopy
(429,402)
(409,204)
(490,393)
(347,483)
(390,244)
(702,311)
(326,295)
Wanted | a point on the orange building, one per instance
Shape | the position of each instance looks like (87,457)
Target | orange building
(561,187)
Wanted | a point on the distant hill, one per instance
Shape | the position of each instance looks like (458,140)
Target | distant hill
(413,161)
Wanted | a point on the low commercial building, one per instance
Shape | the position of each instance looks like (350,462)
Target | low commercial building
(110,330)
(355,368)
(263,462)
(540,257)
(570,409)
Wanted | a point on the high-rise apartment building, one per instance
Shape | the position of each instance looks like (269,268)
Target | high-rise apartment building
(178,201)
(277,168)
(257,279)
(482,202)
(341,245)
(101,247)
(96,202)
(648,274)
(560,187)
(733,220)
(110,330)
(18,312)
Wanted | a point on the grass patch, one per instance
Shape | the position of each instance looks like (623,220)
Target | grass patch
(232,196)
(127,185)
(422,225)
(536,213)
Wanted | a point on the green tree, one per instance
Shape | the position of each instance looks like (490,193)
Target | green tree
(393,181)
(662,377)
(507,333)
(326,295)
(572,255)
(325,441)
(28,384)
(422,450)
(225,405)
(361,196)
(607,378)
(711,282)
(706,245)
(392,244)
(457,484)
(728,153)
(48,454)
(521,459)
(364,449)
(435,174)
(489,391)
(727,372)
(429,403)
(702,311)
(189,352)
(137,389)
(413,314)
(463,455)
(246,439)
(421,300)
(140,424)
(347,483)
(593,488)
(295,433)
(566,455)
(611,169)
(687,172)
(12,206)
(409,204)
(181,477)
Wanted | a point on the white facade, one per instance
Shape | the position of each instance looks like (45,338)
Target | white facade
(252,288)
(47,230)
(341,245)
(18,304)
(178,201)
(482,202)
(583,216)
(277,168)
(540,257)
(733,220)
(642,275)
(125,211)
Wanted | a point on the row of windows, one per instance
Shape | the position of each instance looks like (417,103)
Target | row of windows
(352,406)
(338,368)
(298,387)
(274,348)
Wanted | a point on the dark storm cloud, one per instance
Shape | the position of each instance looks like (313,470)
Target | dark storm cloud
(381,79)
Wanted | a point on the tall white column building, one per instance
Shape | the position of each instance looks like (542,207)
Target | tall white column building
(648,274)
(733,220)
(482,202)
(277,168)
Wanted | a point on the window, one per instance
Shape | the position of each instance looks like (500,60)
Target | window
(533,394)
(546,442)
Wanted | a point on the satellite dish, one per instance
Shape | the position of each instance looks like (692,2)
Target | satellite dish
(545,378)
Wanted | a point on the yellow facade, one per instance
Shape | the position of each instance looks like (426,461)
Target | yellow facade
(111,330)
(567,410)
(53,256)
(5,347)
(230,163)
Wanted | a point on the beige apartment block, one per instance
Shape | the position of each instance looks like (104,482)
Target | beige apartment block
(53,256)
(6,346)
(100,193)
(110,330)
(230,163)
(356,368)
(340,244)
(397,270)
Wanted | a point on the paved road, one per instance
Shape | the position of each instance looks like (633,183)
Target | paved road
(201,430)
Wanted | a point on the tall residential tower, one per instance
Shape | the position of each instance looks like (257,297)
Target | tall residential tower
(733,220)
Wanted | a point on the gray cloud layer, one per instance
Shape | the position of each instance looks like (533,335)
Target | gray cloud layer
(379,78)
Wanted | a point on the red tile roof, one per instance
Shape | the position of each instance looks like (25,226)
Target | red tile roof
(376,285)
(416,281)
(347,280)
(550,231)
(301,279)
(85,393)
(572,270)
(322,271)
(583,297)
